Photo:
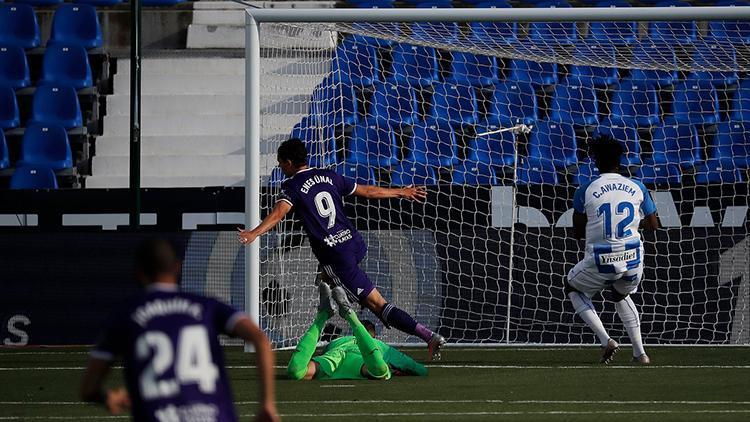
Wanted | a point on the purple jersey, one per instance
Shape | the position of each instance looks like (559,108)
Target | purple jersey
(174,365)
(316,196)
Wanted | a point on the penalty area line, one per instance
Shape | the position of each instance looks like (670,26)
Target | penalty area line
(392,414)
(432,401)
(439,366)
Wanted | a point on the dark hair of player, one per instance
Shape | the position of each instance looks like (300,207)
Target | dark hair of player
(155,257)
(293,150)
(369,326)
(606,153)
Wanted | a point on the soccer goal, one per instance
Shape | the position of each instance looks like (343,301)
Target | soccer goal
(492,109)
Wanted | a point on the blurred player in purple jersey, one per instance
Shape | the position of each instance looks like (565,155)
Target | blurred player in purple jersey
(168,341)
(316,195)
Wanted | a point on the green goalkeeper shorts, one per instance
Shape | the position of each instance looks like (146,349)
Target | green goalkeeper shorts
(340,364)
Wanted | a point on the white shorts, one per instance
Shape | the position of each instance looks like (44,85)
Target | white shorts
(585,278)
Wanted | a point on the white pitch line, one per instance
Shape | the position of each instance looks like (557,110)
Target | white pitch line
(391,414)
(634,367)
(337,385)
(475,401)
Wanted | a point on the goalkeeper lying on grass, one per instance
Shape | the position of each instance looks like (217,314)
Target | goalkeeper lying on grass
(359,356)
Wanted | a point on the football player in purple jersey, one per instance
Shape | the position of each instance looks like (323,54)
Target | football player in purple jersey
(316,196)
(168,342)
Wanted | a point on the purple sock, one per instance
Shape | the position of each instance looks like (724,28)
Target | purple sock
(402,321)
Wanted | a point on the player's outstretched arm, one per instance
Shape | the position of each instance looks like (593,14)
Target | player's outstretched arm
(411,192)
(250,332)
(650,222)
(116,400)
(280,210)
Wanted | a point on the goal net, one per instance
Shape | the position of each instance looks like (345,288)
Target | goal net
(445,105)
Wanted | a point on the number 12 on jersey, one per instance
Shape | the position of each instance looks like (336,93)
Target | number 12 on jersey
(625,209)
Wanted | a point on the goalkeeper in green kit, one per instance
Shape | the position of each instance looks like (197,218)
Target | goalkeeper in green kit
(359,356)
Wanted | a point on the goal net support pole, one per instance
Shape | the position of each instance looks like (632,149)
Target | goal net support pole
(256,17)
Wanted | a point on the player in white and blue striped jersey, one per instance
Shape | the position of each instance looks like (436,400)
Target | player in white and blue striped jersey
(608,212)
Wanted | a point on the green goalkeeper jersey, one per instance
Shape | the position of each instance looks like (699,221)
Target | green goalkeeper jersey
(341,359)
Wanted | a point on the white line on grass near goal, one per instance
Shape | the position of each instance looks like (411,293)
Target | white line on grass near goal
(635,367)
(391,414)
(488,401)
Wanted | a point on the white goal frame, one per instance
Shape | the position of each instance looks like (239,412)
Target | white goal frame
(255,17)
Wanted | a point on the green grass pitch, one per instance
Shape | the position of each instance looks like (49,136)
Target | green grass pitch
(514,383)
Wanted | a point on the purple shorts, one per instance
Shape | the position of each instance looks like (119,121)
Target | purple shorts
(344,271)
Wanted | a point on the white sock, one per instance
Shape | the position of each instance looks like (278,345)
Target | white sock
(629,316)
(585,309)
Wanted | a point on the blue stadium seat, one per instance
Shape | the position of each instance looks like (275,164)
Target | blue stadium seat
(513,102)
(14,68)
(66,65)
(473,69)
(18,26)
(319,140)
(162,3)
(432,4)
(4,156)
(696,102)
(645,55)
(555,142)
(38,3)
(718,171)
(356,63)
(56,105)
(598,76)
(617,33)
(473,173)
(415,65)
(731,31)
(741,103)
(635,103)
(372,145)
(675,32)
(361,174)
(707,54)
(433,143)
(585,172)
(494,32)
(494,150)
(277,176)
(409,173)
(100,3)
(732,143)
(575,102)
(33,178)
(370,4)
(533,171)
(46,146)
(456,104)
(436,32)
(377,27)
(76,24)
(675,143)
(9,113)
(542,73)
(658,174)
(488,4)
(627,135)
(394,103)
(335,102)
(553,32)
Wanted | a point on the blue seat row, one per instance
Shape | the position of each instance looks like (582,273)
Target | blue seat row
(535,171)
(100,3)
(575,100)
(62,64)
(72,25)
(43,145)
(434,143)
(52,104)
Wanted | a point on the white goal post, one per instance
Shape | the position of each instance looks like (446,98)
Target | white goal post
(673,311)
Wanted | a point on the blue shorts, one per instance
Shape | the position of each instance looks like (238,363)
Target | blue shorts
(344,271)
